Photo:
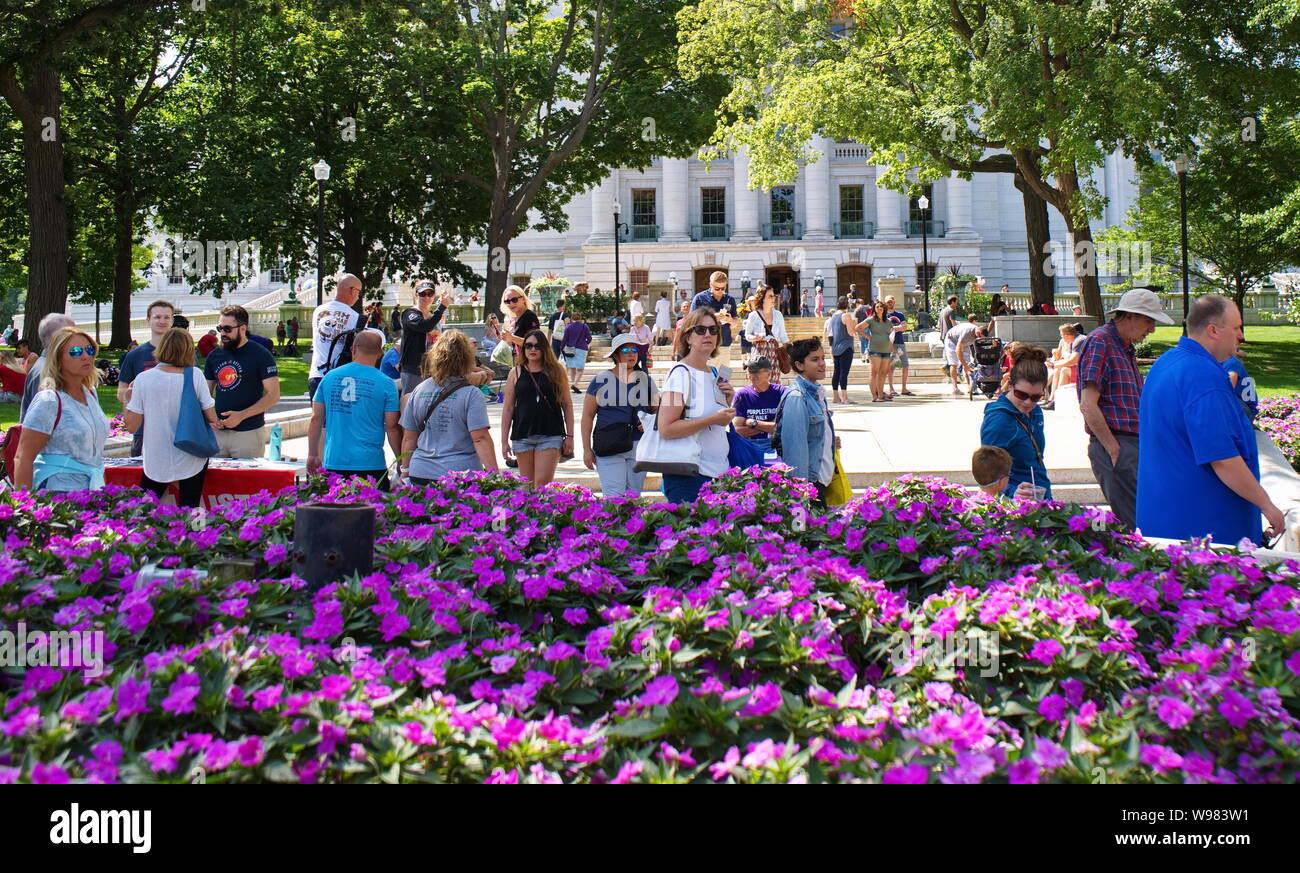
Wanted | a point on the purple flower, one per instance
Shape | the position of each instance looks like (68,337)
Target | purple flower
(765,700)
(502,663)
(559,651)
(907,774)
(49,774)
(1045,651)
(1052,707)
(1174,712)
(906,545)
(392,625)
(661,691)
(626,773)
(1049,755)
(1293,663)
(1236,709)
(250,752)
(181,694)
(575,616)
(1023,772)
(132,698)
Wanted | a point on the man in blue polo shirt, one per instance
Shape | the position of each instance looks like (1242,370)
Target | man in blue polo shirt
(717,299)
(1198,467)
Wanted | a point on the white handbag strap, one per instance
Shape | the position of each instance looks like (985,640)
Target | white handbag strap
(686,398)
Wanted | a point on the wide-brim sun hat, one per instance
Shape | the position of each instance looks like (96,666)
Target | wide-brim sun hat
(1142,301)
(623,339)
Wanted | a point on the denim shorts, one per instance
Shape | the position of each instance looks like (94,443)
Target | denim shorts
(534,443)
(885,355)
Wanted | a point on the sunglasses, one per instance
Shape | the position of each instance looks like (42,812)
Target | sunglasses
(513,299)
(426,294)
(532,346)
(628,350)
(227,328)
(1020,395)
(76,351)
(706,330)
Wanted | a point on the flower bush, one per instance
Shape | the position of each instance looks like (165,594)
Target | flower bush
(509,635)
(1279,417)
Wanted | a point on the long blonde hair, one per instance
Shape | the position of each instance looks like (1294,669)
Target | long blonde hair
(52,376)
(450,357)
(506,310)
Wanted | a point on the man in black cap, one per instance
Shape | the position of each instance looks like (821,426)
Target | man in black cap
(416,323)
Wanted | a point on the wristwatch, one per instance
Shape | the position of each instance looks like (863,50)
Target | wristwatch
(751,424)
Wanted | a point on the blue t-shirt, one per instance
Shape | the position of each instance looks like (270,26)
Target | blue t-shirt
(135,362)
(388,366)
(238,376)
(355,398)
(749,403)
(617,401)
(1189,417)
(897,318)
(1247,392)
(262,341)
(726,304)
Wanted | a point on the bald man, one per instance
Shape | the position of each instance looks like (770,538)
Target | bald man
(355,406)
(328,322)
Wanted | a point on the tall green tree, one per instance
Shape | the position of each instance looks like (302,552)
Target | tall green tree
(35,40)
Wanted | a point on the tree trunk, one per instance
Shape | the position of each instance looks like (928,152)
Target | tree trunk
(47,254)
(1089,286)
(123,272)
(1038,237)
(1239,298)
(498,266)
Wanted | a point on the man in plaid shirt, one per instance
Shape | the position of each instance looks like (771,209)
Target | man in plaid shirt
(1110,388)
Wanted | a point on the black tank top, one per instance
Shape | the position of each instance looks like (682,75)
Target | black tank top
(535,414)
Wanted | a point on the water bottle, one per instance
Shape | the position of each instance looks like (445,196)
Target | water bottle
(273,449)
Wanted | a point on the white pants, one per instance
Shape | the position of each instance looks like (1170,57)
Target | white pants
(617,476)
(240,443)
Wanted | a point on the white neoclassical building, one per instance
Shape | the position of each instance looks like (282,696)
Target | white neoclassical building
(686,220)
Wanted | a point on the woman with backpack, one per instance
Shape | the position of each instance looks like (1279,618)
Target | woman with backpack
(61,446)
(807,437)
(765,328)
(445,424)
(156,405)
(610,424)
(537,416)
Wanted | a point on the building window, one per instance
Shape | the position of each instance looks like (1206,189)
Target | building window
(643,206)
(713,206)
(523,280)
(175,276)
(782,205)
(638,279)
(277,272)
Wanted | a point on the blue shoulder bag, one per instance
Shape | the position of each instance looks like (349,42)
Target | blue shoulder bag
(194,435)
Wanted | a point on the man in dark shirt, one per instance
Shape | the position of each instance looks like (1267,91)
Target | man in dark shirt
(416,324)
(717,299)
(140,358)
(245,383)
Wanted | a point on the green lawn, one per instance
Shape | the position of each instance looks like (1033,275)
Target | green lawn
(293,380)
(1271,355)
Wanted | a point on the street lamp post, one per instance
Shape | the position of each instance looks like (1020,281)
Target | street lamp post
(322,172)
(924,203)
(1182,164)
(618,225)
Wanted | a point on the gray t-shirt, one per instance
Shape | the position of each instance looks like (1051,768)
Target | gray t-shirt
(445,444)
(33,385)
(947,317)
(81,433)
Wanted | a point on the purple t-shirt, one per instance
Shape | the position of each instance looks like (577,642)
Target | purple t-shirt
(751,404)
(578,335)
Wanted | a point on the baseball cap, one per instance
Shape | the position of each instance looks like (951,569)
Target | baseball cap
(1142,301)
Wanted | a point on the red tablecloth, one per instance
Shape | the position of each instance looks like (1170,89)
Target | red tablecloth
(221,485)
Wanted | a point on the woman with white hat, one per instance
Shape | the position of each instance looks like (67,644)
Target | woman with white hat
(610,425)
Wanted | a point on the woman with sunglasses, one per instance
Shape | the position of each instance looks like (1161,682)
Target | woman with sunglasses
(62,443)
(520,319)
(765,328)
(1015,422)
(697,404)
(610,426)
(879,330)
(537,417)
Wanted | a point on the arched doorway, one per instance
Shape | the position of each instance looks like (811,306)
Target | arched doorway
(777,276)
(854,274)
(702,275)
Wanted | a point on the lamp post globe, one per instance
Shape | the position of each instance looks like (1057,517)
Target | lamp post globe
(321,171)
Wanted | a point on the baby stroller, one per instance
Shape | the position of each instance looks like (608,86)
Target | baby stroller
(987,377)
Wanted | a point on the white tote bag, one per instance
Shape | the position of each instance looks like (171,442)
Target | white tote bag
(655,454)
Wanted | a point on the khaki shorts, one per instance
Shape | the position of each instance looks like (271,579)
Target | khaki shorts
(240,443)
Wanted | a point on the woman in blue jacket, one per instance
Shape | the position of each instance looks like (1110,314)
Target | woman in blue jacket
(807,435)
(1015,423)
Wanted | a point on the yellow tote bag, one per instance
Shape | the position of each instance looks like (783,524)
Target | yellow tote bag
(839,492)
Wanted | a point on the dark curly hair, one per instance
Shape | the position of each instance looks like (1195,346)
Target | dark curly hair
(800,349)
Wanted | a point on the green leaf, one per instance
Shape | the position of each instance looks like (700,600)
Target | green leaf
(634,727)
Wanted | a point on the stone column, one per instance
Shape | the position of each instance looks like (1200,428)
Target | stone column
(959,208)
(889,211)
(676,200)
(817,185)
(746,209)
(602,213)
